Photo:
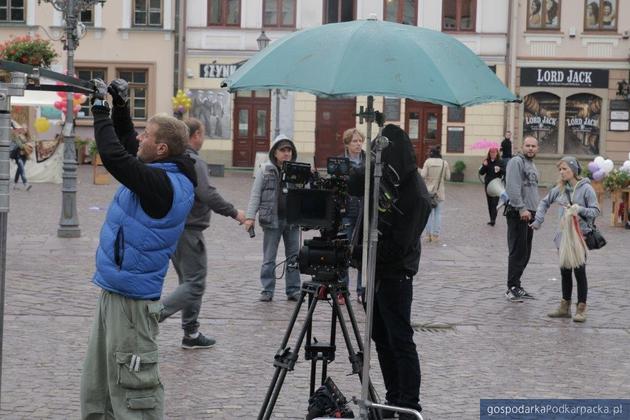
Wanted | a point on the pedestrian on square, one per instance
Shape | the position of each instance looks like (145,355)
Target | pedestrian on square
(572,192)
(492,168)
(120,377)
(397,262)
(268,199)
(506,147)
(353,141)
(19,151)
(190,258)
(435,172)
(521,186)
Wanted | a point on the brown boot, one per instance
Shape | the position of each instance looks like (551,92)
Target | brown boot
(563,310)
(580,312)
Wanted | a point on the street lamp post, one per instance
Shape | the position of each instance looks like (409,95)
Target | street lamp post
(263,41)
(69,220)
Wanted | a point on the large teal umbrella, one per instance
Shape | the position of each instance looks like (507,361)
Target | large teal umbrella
(370,57)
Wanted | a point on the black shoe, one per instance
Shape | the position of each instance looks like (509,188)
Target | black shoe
(295,296)
(491,223)
(513,295)
(201,342)
(524,294)
(265,297)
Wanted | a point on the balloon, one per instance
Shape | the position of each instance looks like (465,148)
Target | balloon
(82,98)
(592,167)
(599,175)
(59,104)
(62,95)
(76,108)
(607,166)
(76,96)
(598,161)
(41,124)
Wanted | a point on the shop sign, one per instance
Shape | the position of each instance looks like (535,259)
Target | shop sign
(540,122)
(216,70)
(584,125)
(580,78)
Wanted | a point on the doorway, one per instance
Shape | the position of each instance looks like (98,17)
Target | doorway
(424,126)
(252,110)
(333,117)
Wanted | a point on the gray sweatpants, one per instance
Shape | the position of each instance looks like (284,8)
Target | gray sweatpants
(191,264)
(120,378)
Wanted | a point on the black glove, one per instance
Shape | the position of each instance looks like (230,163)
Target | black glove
(119,89)
(98,97)
(379,118)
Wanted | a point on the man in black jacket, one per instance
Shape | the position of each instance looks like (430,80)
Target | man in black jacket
(120,377)
(401,221)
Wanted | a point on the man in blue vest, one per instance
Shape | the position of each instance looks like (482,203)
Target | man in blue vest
(120,377)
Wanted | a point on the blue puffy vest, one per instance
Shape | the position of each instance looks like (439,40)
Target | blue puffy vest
(134,248)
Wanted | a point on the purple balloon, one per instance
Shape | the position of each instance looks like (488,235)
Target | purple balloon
(599,175)
(592,166)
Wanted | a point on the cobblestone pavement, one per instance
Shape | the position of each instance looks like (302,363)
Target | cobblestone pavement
(493,348)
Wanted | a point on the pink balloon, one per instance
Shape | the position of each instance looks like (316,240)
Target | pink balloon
(62,95)
(76,96)
(77,108)
(59,105)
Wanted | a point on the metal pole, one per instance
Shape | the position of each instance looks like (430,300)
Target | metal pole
(277,127)
(16,87)
(69,221)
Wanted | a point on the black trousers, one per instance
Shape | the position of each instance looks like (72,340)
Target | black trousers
(580,279)
(519,236)
(393,336)
(492,207)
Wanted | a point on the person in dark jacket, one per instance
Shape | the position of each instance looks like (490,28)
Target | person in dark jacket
(190,259)
(120,377)
(492,168)
(506,147)
(397,261)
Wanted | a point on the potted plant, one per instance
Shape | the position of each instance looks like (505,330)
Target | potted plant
(457,175)
(28,50)
(80,146)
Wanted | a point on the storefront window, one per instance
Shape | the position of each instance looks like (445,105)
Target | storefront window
(542,111)
(583,116)
(543,14)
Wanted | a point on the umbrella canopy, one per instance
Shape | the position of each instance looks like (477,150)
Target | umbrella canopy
(370,57)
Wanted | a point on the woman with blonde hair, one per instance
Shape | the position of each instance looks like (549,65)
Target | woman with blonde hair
(578,202)
(435,172)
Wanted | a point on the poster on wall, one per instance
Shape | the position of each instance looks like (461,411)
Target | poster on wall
(583,115)
(542,110)
(212,108)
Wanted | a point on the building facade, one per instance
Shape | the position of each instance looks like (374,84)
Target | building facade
(222,34)
(570,57)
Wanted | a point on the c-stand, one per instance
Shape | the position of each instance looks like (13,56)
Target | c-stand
(286,357)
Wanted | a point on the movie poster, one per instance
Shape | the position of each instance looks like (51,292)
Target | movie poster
(542,111)
(583,116)
(213,108)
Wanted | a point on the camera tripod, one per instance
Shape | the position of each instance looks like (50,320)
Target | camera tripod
(286,357)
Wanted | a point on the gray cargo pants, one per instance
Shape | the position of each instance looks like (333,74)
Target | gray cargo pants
(120,378)
(191,264)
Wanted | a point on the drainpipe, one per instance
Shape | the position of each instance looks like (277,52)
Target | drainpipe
(180,52)
(511,55)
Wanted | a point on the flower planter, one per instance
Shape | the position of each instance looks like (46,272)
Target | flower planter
(101,176)
(457,177)
(620,205)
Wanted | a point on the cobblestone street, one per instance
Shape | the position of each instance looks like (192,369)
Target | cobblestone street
(491,349)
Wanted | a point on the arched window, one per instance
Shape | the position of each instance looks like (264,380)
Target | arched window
(540,120)
(583,116)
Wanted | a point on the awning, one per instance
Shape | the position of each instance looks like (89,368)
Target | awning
(35,98)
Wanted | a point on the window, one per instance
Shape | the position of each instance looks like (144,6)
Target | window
(147,13)
(455,139)
(456,114)
(339,11)
(391,109)
(224,13)
(86,16)
(280,13)
(543,14)
(401,11)
(583,116)
(88,74)
(138,86)
(600,15)
(11,11)
(458,15)
(541,120)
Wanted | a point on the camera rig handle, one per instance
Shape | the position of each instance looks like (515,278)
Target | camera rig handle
(33,75)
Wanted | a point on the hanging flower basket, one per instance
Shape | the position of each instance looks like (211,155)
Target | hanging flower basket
(28,50)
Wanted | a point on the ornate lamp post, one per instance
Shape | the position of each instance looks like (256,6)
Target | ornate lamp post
(69,221)
(263,41)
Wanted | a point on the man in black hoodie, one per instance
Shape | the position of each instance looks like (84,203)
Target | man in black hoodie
(401,221)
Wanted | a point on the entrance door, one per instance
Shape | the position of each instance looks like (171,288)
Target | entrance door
(424,126)
(251,126)
(333,117)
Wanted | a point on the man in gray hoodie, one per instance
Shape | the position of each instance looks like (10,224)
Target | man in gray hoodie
(521,186)
(190,259)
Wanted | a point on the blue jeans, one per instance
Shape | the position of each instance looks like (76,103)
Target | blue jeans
(434,224)
(271,239)
(350,223)
(20,172)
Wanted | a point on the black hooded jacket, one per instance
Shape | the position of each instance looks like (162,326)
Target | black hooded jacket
(118,144)
(398,248)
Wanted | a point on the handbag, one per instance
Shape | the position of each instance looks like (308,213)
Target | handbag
(434,199)
(593,239)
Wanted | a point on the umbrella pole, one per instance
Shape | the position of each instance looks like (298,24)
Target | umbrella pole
(370,239)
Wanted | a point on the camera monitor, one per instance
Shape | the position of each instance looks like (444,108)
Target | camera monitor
(311,208)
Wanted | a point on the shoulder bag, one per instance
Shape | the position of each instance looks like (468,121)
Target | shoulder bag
(593,239)
(434,199)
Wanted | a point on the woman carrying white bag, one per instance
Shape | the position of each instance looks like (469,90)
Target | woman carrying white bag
(579,208)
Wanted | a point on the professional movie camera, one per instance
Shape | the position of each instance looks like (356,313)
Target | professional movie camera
(320,206)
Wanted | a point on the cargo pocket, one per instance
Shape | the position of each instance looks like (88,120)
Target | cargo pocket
(140,372)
